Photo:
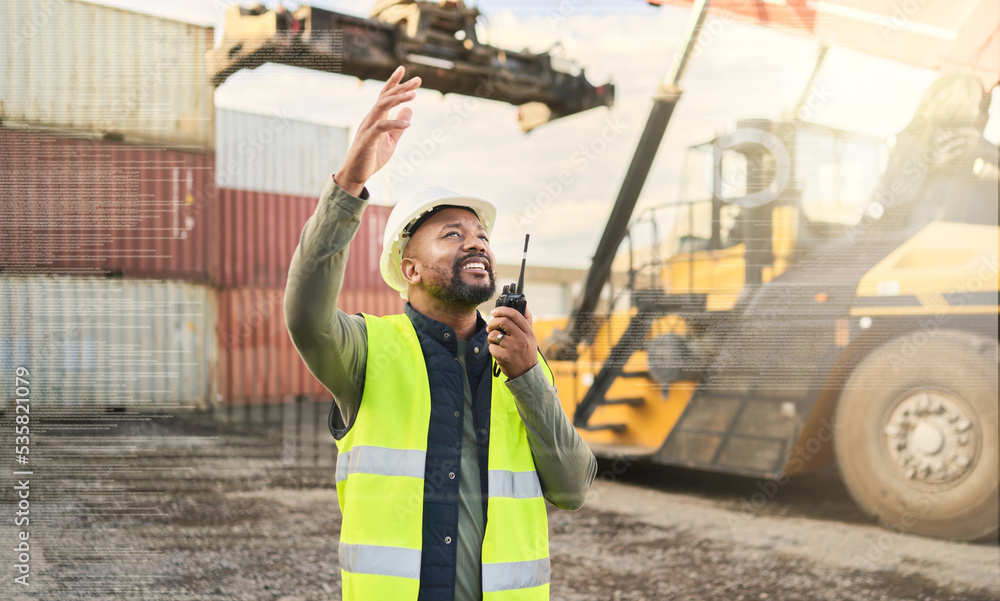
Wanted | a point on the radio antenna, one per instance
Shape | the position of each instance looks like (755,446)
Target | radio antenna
(524,257)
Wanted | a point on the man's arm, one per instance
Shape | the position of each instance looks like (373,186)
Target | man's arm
(332,344)
(565,464)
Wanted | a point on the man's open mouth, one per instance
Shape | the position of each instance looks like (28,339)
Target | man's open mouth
(476,265)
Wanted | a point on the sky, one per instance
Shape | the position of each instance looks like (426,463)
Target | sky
(741,72)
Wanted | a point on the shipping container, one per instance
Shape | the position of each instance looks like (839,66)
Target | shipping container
(258,364)
(381,302)
(274,153)
(73,65)
(363,271)
(98,343)
(88,207)
(259,231)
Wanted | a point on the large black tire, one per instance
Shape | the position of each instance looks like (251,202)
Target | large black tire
(904,455)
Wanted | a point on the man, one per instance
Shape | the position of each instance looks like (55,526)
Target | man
(442,467)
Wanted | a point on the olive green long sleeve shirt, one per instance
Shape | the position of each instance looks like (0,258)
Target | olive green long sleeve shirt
(334,347)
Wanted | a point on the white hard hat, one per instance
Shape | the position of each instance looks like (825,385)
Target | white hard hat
(406,213)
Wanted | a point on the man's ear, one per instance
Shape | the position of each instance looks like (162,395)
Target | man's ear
(411,270)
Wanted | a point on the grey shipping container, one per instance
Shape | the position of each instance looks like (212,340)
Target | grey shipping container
(83,67)
(97,343)
(274,153)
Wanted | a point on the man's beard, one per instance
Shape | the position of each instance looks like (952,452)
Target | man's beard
(459,292)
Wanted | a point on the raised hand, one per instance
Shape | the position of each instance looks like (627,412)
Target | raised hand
(377,135)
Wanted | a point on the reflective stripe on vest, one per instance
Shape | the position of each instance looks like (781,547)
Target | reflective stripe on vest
(384,561)
(380,471)
(515,485)
(515,575)
(515,560)
(364,459)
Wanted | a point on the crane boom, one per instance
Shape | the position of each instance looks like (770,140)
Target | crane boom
(436,41)
(668,94)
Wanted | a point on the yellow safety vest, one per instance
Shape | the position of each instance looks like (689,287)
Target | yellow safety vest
(380,482)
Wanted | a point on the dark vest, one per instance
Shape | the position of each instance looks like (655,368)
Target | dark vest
(444,445)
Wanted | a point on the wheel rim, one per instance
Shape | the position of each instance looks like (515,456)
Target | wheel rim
(931,437)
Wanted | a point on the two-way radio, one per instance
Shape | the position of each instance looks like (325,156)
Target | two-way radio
(513,295)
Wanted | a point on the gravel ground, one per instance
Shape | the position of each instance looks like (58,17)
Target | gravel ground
(192,509)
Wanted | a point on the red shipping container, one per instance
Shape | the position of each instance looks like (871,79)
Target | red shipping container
(363,272)
(257,361)
(381,302)
(86,207)
(258,233)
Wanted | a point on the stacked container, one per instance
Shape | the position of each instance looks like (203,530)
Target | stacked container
(108,343)
(270,172)
(81,206)
(71,66)
(106,191)
(126,238)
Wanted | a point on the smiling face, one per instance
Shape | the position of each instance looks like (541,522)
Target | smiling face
(449,258)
